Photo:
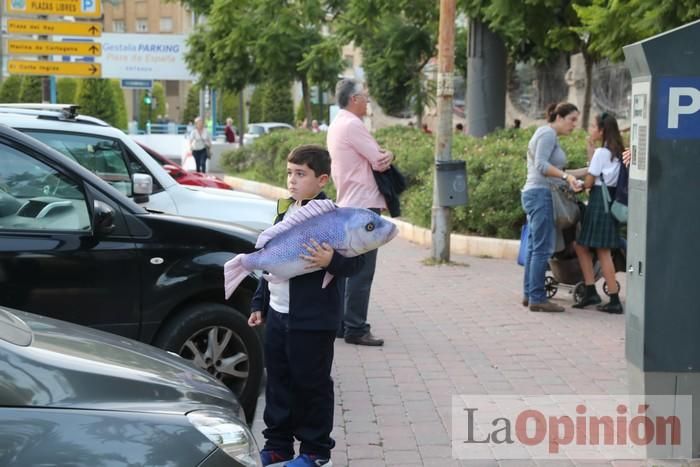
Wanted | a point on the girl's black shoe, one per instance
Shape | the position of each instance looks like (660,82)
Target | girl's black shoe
(613,308)
(590,297)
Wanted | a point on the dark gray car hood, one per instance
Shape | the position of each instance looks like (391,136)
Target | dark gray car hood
(67,365)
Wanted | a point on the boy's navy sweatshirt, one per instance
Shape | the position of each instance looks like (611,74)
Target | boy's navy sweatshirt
(312,308)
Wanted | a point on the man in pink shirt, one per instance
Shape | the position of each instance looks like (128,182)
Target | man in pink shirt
(354,154)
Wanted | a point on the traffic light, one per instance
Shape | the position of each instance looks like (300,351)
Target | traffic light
(147,99)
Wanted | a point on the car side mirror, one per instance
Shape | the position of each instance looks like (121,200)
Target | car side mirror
(102,218)
(142,187)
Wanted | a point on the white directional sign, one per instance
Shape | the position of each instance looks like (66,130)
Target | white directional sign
(144,56)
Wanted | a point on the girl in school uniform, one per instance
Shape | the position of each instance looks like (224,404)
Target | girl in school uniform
(599,230)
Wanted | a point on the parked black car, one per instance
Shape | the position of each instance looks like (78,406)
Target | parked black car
(74,248)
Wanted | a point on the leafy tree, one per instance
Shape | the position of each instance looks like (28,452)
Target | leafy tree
(121,120)
(461,37)
(96,98)
(159,99)
(157,106)
(228,107)
(320,113)
(10,89)
(191,105)
(398,38)
(278,105)
(610,28)
(537,30)
(250,41)
(256,104)
(66,90)
(31,90)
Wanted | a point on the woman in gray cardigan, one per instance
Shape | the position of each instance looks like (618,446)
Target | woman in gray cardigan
(545,166)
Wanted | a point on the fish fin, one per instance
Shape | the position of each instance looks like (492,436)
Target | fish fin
(272,279)
(313,208)
(327,278)
(234,273)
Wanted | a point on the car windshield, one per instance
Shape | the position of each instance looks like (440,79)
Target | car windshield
(27,178)
(256,129)
(101,156)
(277,128)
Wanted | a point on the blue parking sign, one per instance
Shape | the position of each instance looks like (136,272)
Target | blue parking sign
(89,6)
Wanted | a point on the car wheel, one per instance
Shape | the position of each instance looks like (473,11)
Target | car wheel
(217,339)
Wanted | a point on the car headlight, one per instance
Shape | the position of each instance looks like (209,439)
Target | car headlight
(230,435)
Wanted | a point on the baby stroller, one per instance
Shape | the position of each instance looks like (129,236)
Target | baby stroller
(565,270)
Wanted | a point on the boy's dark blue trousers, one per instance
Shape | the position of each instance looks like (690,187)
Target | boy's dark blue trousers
(299,397)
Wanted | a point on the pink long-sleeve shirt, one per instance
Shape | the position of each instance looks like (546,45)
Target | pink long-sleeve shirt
(354,153)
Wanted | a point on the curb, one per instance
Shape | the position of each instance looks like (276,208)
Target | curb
(469,245)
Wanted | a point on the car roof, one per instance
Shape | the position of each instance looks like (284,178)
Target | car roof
(53,120)
(56,157)
(59,112)
(43,117)
(271,124)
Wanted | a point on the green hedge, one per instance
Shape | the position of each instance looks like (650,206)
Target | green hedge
(496,168)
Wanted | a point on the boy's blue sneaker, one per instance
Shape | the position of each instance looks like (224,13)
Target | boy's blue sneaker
(272,458)
(309,460)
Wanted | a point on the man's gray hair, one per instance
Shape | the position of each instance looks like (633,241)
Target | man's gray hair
(345,89)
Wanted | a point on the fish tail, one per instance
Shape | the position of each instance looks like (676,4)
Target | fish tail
(234,273)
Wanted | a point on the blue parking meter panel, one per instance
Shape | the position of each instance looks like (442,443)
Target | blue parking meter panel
(679,108)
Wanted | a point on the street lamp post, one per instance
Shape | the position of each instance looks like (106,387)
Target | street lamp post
(441,215)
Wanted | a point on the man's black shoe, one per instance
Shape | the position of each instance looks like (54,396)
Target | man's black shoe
(365,339)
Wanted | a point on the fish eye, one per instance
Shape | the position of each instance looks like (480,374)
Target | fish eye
(369,227)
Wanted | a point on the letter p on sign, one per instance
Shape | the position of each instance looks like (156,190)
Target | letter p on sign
(89,5)
(675,108)
(677,114)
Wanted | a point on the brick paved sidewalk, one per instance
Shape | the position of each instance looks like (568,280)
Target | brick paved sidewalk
(453,330)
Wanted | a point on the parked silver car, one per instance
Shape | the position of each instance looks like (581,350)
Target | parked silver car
(255,130)
(74,396)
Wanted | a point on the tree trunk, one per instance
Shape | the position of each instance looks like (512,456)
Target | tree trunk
(551,85)
(486,80)
(306,96)
(586,112)
(419,109)
(241,116)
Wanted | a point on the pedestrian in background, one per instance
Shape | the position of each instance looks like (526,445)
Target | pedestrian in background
(229,132)
(354,154)
(545,167)
(600,229)
(200,143)
(302,319)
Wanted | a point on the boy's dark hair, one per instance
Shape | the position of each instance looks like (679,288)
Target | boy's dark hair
(314,156)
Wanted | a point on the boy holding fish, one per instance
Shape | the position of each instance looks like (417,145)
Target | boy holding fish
(312,243)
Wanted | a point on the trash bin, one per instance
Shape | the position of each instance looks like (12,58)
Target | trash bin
(452,183)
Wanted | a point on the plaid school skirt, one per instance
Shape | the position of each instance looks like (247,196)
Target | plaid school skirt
(599,229)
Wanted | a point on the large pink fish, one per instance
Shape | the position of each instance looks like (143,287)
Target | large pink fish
(349,231)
